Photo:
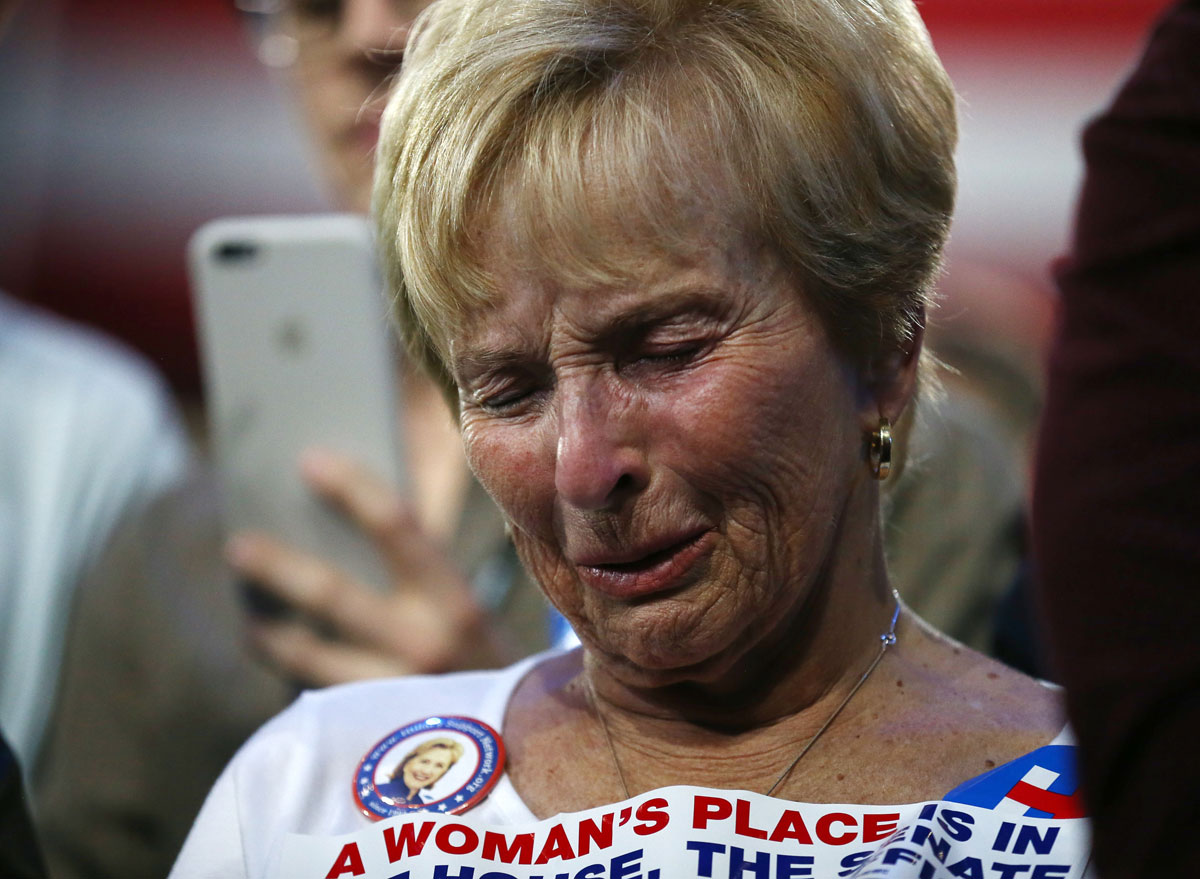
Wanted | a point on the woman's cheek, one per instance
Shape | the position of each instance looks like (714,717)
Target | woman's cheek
(747,433)
(510,463)
(718,416)
(545,564)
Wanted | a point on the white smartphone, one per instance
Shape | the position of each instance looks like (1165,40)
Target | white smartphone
(297,351)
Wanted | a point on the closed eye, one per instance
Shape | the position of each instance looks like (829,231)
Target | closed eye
(507,398)
(674,354)
(664,357)
(507,404)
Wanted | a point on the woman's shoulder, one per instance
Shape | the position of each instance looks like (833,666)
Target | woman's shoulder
(974,712)
(380,705)
(298,773)
(985,693)
(336,726)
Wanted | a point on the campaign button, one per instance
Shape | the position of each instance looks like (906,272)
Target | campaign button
(442,764)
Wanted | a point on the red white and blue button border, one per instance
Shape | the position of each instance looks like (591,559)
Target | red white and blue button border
(489,765)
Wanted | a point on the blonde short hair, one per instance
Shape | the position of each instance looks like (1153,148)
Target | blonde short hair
(823,128)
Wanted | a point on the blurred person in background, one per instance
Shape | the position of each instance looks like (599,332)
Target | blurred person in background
(1116,510)
(87,435)
(159,688)
(337,57)
(19,853)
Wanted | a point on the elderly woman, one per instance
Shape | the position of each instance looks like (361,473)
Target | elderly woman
(670,262)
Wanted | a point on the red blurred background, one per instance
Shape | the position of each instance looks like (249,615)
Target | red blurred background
(128,123)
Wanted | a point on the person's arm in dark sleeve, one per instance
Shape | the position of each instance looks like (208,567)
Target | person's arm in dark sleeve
(1117,489)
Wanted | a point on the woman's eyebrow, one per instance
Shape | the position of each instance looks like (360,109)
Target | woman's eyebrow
(489,358)
(669,304)
(480,361)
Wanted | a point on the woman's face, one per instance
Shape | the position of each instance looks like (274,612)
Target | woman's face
(674,454)
(426,768)
(346,50)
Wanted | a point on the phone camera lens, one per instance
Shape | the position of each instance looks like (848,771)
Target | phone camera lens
(236,251)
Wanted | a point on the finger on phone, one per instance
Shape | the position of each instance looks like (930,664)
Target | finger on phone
(352,486)
(382,513)
(300,580)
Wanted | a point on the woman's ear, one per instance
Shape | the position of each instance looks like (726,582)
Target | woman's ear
(890,378)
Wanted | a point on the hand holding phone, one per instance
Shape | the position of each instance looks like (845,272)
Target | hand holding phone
(428,622)
(342,580)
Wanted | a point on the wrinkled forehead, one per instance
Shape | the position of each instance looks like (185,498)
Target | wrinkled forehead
(616,221)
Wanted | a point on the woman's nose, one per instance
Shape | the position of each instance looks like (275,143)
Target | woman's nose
(600,461)
(377,25)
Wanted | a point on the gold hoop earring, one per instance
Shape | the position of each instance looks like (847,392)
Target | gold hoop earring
(880,450)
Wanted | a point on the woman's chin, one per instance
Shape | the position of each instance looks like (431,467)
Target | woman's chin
(647,658)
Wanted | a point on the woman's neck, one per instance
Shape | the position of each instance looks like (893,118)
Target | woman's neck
(636,740)
(770,686)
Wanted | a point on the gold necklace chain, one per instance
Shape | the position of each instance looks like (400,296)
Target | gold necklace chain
(886,640)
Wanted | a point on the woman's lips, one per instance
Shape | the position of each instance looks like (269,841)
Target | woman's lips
(651,570)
